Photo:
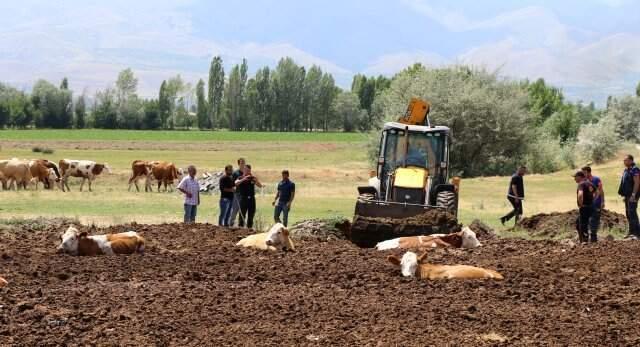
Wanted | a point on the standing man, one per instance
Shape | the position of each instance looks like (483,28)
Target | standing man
(629,189)
(235,207)
(515,195)
(585,200)
(227,190)
(246,186)
(191,189)
(284,198)
(598,203)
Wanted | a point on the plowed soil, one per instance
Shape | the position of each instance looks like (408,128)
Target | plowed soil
(193,287)
(560,224)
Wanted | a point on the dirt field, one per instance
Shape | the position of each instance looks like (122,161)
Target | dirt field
(193,287)
(563,224)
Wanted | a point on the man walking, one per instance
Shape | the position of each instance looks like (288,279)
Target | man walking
(191,189)
(284,198)
(629,189)
(585,200)
(515,195)
(246,186)
(235,207)
(227,190)
(598,203)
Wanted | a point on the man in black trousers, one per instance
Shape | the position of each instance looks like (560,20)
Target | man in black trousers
(515,195)
(585,200)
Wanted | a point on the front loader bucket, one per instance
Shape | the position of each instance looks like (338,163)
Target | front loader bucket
(376,221)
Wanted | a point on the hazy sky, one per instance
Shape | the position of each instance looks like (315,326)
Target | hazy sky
(589,48)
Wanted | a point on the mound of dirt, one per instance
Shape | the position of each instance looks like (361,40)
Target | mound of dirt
(367,231)
(194,287)
(320,229)
(558,224)
(483,231)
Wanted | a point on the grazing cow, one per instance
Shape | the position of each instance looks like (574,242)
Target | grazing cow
(165,172)
(462,239)
(80,243)
(44,171)
(86,169)
(413,266)
(275,239)
(3,282)
(140,169)
(15,171)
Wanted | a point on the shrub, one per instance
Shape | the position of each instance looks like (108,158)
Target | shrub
(48,151)
(36,149)
(599,142)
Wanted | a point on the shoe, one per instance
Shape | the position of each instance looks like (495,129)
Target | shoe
(502,220)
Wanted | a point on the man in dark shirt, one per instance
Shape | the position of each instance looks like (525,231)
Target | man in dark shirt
(515,195)
(245,185)
(227,190)
(629,190)
(284,198)
(598,203)
(235,207)
(585,200)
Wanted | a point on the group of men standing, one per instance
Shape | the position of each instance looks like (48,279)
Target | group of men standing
(590,199)
(237,196)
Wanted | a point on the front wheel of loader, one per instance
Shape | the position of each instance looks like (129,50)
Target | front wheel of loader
(447,199)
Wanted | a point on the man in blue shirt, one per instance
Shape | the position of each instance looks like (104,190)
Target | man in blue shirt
(629,189)
(284,198)
(598,203)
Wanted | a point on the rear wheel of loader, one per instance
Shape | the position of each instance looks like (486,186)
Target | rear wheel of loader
(447,199)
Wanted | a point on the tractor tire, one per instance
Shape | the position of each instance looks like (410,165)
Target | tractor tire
(447,199)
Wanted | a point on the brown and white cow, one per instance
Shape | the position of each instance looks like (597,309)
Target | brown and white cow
(140,169)
(15,171)
(44,171)
(86,169)
(80,243)
(165,172)
(277,238)
(462,239)
(413,266)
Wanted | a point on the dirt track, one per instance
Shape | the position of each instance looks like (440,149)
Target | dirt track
(193,287)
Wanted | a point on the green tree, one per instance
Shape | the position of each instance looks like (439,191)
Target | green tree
(599,142)
(312,104)
(152,119)
(216,90)
(638,90)
(328,93)
(626,112)
(202,114)
(106,110)
(264,103)
(81,112)
(53,105)
(235,96)
(564,124)
(64,85)
(164,105)
(21,110)
(544,100)
(347,108)
(288,83)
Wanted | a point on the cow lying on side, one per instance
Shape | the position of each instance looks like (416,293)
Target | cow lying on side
(413,266)
(462,239)
(3,282)
(80,243)
(276,238)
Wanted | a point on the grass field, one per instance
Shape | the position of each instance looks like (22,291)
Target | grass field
(327,168)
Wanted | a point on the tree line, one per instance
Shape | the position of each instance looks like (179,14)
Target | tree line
(289,97)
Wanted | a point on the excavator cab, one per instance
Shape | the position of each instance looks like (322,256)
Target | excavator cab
(412,175)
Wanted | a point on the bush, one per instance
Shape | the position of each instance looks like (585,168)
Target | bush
(36,149)
(45,150)
(599,142)
(544,155)
(48,151)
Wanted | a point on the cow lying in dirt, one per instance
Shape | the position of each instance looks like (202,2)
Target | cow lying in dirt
(413,266)
(80,243)
(3,282)
(275,239)
(462,239)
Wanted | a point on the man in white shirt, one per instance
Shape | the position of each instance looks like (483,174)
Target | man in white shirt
(191,189)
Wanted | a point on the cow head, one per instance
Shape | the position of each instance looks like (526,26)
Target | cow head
(278,236)
(408,264)
(53,179)
(69,240)
(469,239)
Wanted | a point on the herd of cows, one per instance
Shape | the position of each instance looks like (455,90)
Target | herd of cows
(23,173)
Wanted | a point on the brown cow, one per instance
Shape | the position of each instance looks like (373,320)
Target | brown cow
(462,239)
(140,169)
(15,170)
(41,170)
(165,172)
(413,266)
(80,243)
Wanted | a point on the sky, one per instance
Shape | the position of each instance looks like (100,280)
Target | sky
(589,48)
